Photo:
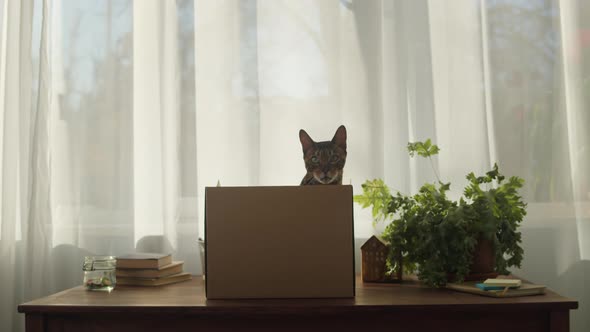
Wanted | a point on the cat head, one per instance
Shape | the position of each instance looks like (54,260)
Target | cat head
(325,160)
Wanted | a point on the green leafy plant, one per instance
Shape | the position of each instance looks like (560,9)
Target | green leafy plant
(436,236)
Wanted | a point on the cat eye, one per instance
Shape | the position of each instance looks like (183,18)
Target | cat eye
(314,159)
(334,158)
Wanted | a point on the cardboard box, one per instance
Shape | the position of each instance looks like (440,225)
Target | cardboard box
(279,242)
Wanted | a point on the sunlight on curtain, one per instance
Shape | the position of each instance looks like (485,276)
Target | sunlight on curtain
(541,126)
(155,120)
(123,129)
(458,84)
(575,81)
(25,239)
(91,132)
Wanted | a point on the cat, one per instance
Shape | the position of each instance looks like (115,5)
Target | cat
(324,161)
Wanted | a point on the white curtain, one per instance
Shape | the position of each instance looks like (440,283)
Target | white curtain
(25,244)
(115,115)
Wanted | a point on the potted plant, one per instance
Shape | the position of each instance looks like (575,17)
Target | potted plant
(444,240)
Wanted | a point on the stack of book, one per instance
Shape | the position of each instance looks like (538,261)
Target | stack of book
(148,269)
(499,287)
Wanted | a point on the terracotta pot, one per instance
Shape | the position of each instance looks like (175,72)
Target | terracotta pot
(484,261)
(483,264)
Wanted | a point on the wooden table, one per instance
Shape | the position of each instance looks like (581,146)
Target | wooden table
(376,307)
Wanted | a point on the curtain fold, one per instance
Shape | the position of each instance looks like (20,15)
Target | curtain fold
(574,90)
(25,237)
(156,121)
(115,116)
(38,226)
(459,89)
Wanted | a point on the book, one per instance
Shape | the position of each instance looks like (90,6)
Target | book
(129,281)
(143,261)
(485,287)
(164,271)
(524,290)
(503,282)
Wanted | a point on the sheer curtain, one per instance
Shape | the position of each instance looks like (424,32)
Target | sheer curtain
(24,162)
(117,114)
(97,139)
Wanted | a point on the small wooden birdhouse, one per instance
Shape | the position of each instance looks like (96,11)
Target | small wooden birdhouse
(374,255)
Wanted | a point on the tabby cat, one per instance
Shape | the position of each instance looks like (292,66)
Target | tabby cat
(324,161)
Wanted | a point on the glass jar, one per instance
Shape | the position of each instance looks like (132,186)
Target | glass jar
(202,254)
(99,273)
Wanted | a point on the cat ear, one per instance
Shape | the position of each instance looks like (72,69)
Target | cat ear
(306,141)
(340,137)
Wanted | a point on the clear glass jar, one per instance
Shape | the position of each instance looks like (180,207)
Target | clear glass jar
(99,273)
(202,254)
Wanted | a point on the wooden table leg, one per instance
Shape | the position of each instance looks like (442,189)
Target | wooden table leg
(559,321)
(34,323)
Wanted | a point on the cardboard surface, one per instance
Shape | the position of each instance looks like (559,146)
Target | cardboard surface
(279,242)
